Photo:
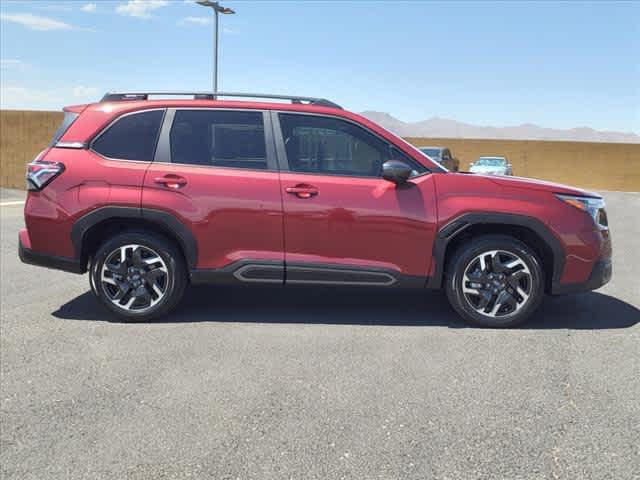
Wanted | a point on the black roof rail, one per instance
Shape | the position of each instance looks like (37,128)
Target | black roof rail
(124,96)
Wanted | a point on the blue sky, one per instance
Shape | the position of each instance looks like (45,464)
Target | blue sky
(559,65)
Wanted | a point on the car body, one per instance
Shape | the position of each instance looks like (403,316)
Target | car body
(491,166)
(151,196)
(443,156)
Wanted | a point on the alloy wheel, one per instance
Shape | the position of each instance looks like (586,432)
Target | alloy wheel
(134,277)
(497,283)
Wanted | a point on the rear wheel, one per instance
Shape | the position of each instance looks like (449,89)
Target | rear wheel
(138,276)
(495,281)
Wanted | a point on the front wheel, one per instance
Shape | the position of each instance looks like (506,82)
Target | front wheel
(138,275)
(495,281)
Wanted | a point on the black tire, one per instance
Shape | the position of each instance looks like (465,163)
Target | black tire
(531,276)
(172,282)
(92,284)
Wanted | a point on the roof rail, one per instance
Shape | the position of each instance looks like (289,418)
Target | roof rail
(123,96)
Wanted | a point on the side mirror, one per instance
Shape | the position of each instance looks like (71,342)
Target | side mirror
(471,164)
(396,171)
(508,165)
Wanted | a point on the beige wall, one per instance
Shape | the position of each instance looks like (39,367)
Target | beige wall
(600,166)
(22,136)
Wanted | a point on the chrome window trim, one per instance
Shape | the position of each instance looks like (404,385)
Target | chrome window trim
(270,153)
(73,145)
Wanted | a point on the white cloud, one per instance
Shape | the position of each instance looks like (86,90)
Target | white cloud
(140,8)
(20,97)
(89,8)
(194,21)
(57,7)
(12,63)
(204,21)
(84,92)
(27,98)
(35,22)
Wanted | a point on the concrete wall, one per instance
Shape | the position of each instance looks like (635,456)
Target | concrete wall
(599,166)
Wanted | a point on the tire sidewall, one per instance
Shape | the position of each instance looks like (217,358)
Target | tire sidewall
(466,255)
(175,277)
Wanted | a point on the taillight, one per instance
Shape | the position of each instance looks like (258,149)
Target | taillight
(40,174)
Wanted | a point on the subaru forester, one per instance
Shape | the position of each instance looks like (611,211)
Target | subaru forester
(150,193)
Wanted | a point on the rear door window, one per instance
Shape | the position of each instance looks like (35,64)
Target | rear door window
(131,137)
(218,138)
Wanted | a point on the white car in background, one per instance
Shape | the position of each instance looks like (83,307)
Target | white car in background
(491,166)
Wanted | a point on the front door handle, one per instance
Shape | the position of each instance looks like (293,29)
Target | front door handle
(171,180)
(302,190)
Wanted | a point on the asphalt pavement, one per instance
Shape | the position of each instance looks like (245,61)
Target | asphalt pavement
(245,383)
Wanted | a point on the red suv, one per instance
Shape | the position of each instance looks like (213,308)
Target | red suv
(150,196)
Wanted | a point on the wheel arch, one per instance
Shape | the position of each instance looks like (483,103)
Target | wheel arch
(91,229)
(531,231)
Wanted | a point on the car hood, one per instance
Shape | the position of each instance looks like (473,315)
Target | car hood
(486,169)
(533,184)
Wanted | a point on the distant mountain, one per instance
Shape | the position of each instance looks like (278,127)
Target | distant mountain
(446,128)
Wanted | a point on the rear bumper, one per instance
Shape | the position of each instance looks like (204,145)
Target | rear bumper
(600,275)
(49,261)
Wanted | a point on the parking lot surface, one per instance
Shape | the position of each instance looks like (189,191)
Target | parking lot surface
(317,383)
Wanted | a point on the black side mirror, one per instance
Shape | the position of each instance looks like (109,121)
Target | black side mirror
(396,171)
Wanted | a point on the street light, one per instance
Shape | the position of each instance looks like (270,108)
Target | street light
(217,9)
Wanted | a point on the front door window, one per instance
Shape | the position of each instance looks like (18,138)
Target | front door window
(329,146)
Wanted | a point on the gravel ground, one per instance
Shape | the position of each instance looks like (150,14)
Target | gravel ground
(316,383)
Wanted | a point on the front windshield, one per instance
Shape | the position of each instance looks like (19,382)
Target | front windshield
(432,152)
(491,161)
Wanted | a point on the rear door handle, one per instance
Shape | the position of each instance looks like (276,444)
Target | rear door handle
(171,180)
(302,191)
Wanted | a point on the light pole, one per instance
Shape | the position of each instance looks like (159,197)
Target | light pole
(217,8)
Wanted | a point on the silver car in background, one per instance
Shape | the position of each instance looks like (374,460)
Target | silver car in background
(491,166)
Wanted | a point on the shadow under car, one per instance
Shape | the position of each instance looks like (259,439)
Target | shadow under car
(357,306)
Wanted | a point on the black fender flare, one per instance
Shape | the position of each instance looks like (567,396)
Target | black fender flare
(164,220)
(461,223)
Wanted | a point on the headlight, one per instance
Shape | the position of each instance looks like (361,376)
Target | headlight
(593,206)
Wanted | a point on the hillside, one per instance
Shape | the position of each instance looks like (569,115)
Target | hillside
(446,128)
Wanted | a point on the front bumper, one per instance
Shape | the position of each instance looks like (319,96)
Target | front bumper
(600,275)
(49,261)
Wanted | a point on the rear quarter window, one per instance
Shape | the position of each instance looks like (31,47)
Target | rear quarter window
(69,118)
(131,137)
